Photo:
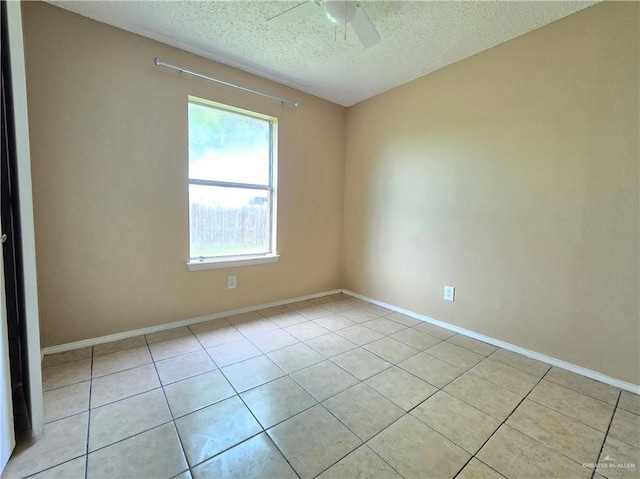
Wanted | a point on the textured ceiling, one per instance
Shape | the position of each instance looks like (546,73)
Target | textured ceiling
(418,37)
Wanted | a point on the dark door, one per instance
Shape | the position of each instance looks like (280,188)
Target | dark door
(11,245)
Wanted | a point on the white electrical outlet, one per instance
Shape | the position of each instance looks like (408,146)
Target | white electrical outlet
(232,282)
(449,292)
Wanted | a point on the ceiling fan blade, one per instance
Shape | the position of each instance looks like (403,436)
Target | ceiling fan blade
(364,28)
(292,14)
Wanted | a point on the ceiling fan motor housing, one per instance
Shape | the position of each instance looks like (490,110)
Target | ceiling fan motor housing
(339,12)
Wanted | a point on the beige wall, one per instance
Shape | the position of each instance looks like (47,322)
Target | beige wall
(109,159)
(512,175)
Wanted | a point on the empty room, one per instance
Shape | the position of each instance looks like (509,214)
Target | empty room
(320,239)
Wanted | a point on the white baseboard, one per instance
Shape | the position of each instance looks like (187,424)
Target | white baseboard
(186,322)
(627,386)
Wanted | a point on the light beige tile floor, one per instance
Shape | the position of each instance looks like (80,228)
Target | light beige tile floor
(334,387)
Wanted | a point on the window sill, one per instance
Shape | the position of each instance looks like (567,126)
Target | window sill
(231,261)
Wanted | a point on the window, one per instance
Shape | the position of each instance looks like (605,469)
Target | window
(232,192)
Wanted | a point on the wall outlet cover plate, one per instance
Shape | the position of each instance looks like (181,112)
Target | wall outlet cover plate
(449,292)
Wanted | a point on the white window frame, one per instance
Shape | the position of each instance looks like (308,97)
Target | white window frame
(230,261)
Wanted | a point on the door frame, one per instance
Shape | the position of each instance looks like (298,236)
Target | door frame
(23,155)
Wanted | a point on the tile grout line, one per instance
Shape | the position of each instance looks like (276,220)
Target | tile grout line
(606,436)
(504,387)
(173,420)
(517,367)
(86,453)
(123,370)
(496,430)
(133,435)
(584,393)
(511,367)
(263,430)
(127,437)
(567,416)
(123,399)
(86,459)
(271,439)
(227,449)
(469,349)
(363,443)
(572,419)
